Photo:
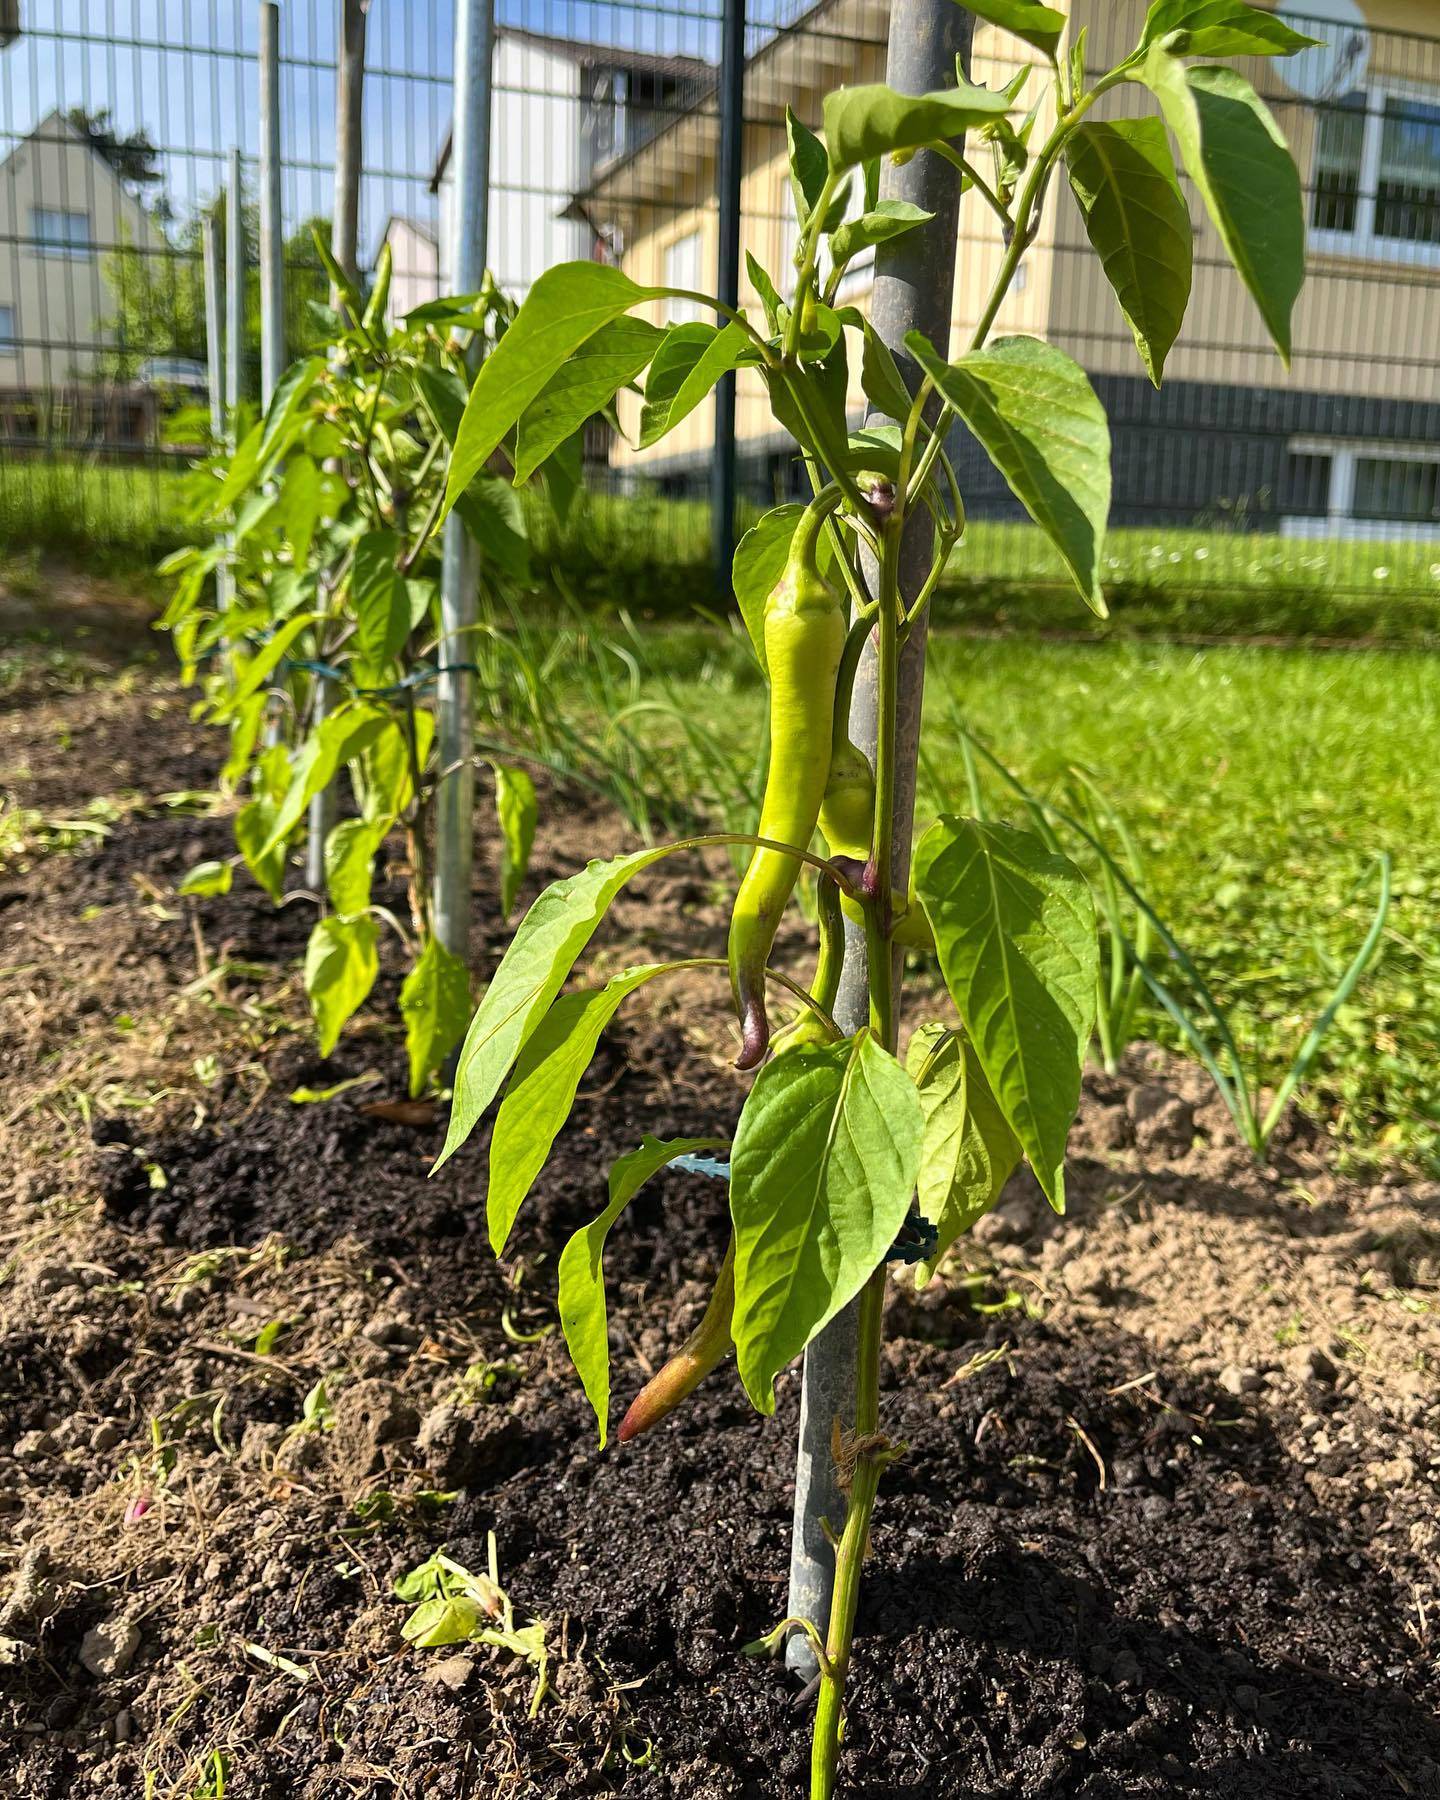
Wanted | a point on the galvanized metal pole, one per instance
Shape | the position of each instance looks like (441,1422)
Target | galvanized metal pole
(349,111)
(234,292)
(214,360)
(214,329)
(272,230)
(460,573)
(344,241)
(914,284)
(731,166)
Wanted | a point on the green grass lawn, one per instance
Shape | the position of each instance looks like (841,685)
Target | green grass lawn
(1259,783)
(114,515)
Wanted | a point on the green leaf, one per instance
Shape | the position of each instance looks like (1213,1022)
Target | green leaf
(1235,155)
(298,508)
(444,394)
(691,366)
(445,1619)
(969,1151)
(765,288)
(494,515)
(888,219)
(861,122)
(250,674)
(821,1174)
(1221,28)
(880,377)
(379,597)
(758,564)
(291,392)
(1015,933)
(435,1004)
(542,1088)
(1036,416)
(533,970)
(206,879)
(1123,177)
(1039,25)
(350,852)
(564,309)
(339,738)
(340,969)
(809,165)
(516,810)
(577,390)
(583,1316)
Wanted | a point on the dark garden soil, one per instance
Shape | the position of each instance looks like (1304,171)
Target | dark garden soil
(1166,1523)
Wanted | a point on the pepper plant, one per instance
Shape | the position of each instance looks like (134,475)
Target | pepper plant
(325,659)
(842,1148)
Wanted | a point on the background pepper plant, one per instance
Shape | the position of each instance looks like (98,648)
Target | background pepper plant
(324,660)
(839,1139)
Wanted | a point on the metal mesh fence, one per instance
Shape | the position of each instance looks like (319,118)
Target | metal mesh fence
(117,116)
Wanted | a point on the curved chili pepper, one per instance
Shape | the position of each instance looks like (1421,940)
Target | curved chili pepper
(804,637)
(706,1347)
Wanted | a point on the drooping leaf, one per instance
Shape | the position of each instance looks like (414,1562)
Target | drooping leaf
(1221,28)
(494,515)
(339,738)
(969,1150)
(533,970)
(880,377)
(340,969)
(298,506)
(863,122)
(1015,933)
(379,597)
(588,380)
(515,809)
(435,1004)
(565,308)
(583,1316)
(1039,25)
(250,674)
(1234,153)
(809,165)
(291,392)
(821,1174)
(542,1087)
(758,564)
(1123,177)
(668,400)
(765,288)
(1036,416)
(888,219)
(207,879)
(350,852)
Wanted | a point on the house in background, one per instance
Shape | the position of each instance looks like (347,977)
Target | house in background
(62,208)
(561,111)
(1346,443)
(415,264)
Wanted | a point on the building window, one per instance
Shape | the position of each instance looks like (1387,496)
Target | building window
(59,232)
(1376,176)
(8,344)
(1362,490)
(682,270)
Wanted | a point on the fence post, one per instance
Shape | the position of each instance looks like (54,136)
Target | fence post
(460,574)
(272,231)
(731,167)
(344,241)
(914,282)
(349,113)
(234,293)
(214,360)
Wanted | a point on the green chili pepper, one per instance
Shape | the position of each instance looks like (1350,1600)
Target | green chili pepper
(804,638)
(704,1350)
(847,816)
(810,1028)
